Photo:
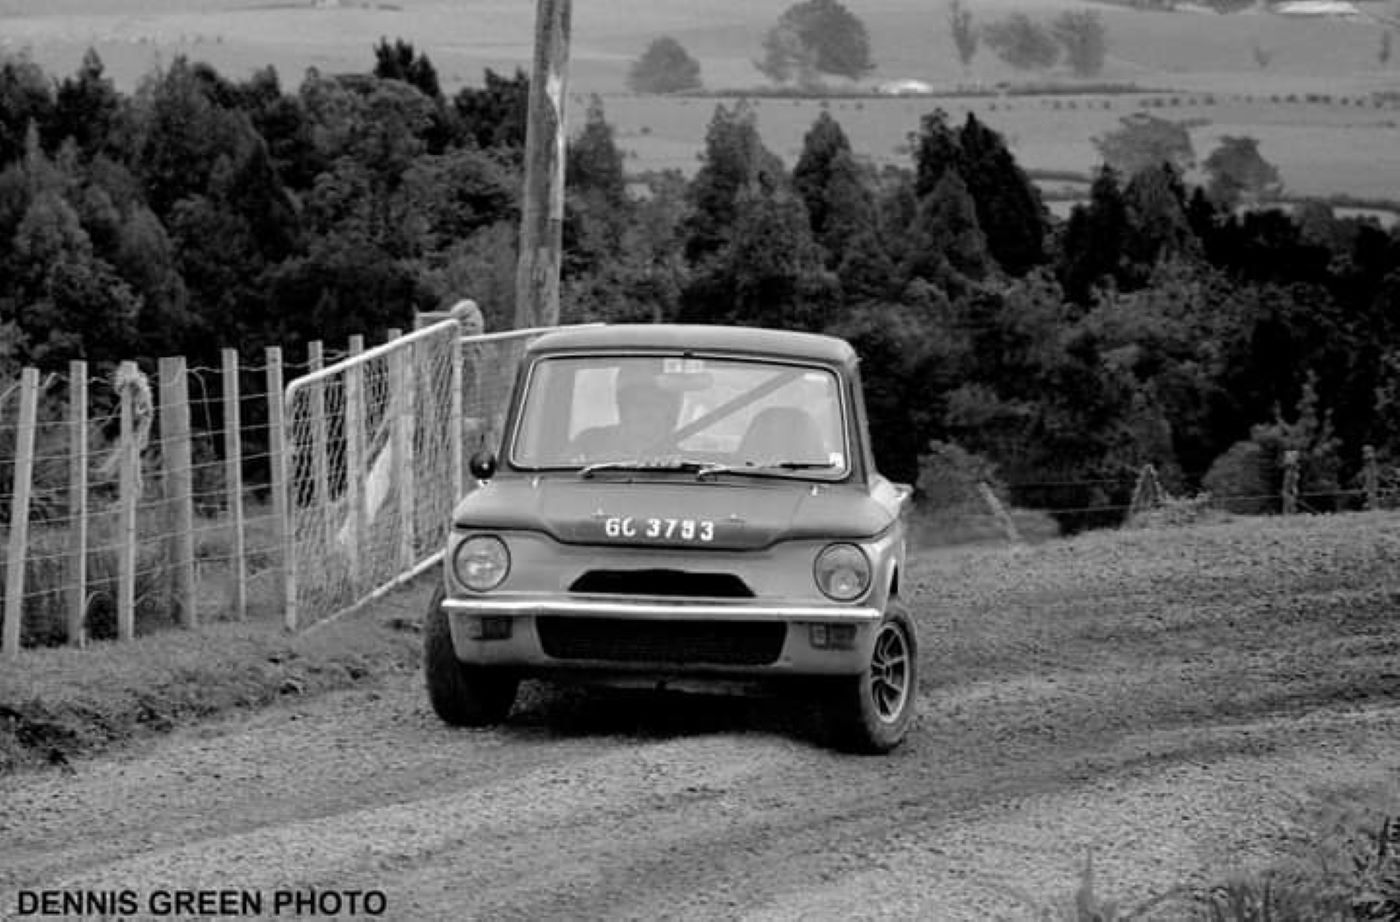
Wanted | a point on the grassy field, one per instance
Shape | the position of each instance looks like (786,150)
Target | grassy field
(1332,145)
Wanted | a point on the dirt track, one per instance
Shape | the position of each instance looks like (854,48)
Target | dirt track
(1170,702)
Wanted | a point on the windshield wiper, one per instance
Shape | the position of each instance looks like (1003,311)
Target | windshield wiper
(639,464)
(762,470)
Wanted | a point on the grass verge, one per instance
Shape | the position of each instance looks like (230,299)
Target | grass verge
(1346,867)
(59,703)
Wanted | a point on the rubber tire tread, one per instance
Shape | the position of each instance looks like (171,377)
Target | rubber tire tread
(462,695)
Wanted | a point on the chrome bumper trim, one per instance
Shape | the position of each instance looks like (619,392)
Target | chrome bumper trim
(663,611)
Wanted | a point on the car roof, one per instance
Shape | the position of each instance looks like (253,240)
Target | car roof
(788,344)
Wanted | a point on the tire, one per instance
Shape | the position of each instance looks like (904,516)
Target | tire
(462,695)
(871,713)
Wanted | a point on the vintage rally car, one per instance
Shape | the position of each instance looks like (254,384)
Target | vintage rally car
(676,503)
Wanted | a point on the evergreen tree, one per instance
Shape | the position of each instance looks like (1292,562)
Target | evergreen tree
(86,108)
(851,211)
(400,62)
(734,157)
(824,141)
(866,271)
(26,98)
(1009,209)
(495,114)
(948,247)
(180,134)
(593,161)
(937,150)
(1093,243)
(1158,227)
(774,266)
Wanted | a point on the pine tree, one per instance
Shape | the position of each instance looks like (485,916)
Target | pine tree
(1009,209)
(734,157)
(1093,243)
(947,247)
(824,141)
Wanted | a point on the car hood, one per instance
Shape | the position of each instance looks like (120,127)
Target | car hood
(742,515)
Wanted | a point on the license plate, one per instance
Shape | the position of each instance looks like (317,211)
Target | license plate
(698,531)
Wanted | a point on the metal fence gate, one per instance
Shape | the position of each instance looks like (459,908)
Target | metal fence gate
(375,456)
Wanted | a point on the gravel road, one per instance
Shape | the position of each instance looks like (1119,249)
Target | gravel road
(1173,712)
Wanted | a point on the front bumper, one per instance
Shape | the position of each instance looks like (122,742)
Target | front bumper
(795,652)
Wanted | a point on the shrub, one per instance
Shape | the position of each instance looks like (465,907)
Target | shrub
(1243,479)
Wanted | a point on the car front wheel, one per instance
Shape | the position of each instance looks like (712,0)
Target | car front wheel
(871,712)
(462,695)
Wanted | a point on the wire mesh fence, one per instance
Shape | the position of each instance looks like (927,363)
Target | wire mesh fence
(136,500)
(377,449)
(166,496)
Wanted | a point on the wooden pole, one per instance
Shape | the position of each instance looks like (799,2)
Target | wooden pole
(279,465)
(19,509)
(320,460)
(129,490)
(542,213)
(355,461)
(77,502)
(1008,525)
(233,477)
(1290,482)
(1370,478)
(179,482)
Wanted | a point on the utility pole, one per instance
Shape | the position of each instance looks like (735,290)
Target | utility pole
(542,214)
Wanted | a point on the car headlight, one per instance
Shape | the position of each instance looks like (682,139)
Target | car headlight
(481,562)
(842,572)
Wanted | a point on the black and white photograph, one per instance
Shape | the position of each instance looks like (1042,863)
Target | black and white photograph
(755,460)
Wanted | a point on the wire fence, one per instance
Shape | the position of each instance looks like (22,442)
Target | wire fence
(374,467)
(167,495)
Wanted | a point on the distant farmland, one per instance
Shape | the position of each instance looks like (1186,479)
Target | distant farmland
(1313,108)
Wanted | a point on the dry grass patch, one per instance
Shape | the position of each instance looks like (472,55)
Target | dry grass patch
(59,703)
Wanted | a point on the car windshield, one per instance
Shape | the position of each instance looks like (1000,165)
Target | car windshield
(682,413)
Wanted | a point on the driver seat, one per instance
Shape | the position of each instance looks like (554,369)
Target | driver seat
(782,434)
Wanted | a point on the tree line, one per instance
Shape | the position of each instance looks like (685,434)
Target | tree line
(1156,324)
(814,39)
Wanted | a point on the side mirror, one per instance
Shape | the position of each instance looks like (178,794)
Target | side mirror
(482,464)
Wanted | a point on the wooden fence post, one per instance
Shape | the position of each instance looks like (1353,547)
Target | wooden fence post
(233,480)
(355,461)
(1290,482)
(179,482)
(320,438)
(77,502)
(1147,492)
(19,510)
(401,377)
(1371,478)
(129,495)
(278,465)
(1008,525)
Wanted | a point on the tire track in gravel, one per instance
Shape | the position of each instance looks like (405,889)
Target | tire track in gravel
(1166,733)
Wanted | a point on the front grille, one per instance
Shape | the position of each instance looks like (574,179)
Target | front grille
(663,582)
(623,640)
